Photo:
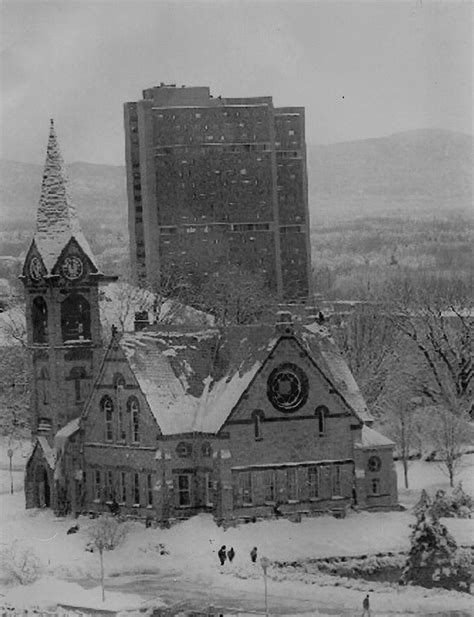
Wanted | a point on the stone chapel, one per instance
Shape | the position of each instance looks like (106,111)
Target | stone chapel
(163,423)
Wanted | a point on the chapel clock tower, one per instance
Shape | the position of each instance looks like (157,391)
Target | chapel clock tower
(61,280)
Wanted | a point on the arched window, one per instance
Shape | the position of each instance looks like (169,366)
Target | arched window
(108,409)
(39,319)
(75,318)
(77,374)
(134,409)
(258,417)
(119,385)
(321,412)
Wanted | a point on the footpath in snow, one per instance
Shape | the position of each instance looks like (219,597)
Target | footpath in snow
(190,558)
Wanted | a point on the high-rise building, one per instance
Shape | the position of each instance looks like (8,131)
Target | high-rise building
(214,181)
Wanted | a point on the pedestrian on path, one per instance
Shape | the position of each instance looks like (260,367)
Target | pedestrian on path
(253,554)
(231,554)
(366,606)
(222,554)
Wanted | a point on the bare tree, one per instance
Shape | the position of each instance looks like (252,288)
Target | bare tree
(105,534)
(435,317)
(449,433)
(399,409)
(367,339)
(236,296)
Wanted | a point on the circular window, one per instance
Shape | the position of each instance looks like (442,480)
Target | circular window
(287,387)
(183,449)
(374,463)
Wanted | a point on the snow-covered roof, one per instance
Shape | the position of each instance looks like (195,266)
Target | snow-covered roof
(324,351)
(48,451)
(69,429)
(57,221)
(193,380)
(372,439)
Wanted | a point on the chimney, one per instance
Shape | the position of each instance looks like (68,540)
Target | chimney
(284,323)
(141,321)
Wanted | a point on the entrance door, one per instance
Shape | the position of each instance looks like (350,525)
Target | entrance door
(43,490)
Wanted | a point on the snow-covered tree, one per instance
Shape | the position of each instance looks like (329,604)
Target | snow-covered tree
(434,559)
(105,534)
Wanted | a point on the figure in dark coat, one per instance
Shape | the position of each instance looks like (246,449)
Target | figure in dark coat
(222,554)
(231,554)
(253,554)
(366,606)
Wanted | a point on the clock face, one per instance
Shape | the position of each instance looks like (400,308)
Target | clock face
(72,268)
(36,269)
(287,387)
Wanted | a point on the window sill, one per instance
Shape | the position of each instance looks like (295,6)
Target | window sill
(337,497)
(136,505)
(247,505)
(270,503)
(293,501)
(149,506)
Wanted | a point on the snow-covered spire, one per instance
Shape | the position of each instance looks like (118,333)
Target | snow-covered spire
(57,220)
(55,209)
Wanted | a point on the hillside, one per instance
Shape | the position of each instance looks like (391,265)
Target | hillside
(403,174)
(399,174)
(99,191)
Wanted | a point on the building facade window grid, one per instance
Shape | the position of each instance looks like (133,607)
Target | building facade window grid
(313,482)
(135,420)
(136,489)
(336,481)
(270,489)
(149,490)
(292,483)
(184,489)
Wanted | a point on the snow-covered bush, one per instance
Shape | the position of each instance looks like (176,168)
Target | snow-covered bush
(433,560)
(106,533)
(20,564)
(457,505)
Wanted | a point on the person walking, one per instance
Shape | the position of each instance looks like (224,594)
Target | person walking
(222,554)
(253,554)
(366,606)
(231,554)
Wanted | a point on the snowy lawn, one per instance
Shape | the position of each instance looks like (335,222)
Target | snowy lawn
(193,547)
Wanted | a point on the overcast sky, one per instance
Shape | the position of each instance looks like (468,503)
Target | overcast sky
(360,69)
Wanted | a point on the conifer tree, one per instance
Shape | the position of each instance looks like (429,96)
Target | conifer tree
(433,560)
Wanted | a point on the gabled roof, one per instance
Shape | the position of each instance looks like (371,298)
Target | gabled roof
(192,380)
(323,349)
(56,222)
(372,439)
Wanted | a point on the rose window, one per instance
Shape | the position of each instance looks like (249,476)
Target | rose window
(287,387)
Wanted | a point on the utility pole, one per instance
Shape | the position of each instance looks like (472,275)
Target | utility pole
(10,456)
(265,562)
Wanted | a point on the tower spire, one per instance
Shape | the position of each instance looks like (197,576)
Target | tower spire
(55,207)
(56,221)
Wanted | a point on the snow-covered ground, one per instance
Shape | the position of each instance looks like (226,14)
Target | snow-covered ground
(191,571)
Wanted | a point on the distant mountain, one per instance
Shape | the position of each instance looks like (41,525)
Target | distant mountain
(406,172)
(99,191)
(424,170)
